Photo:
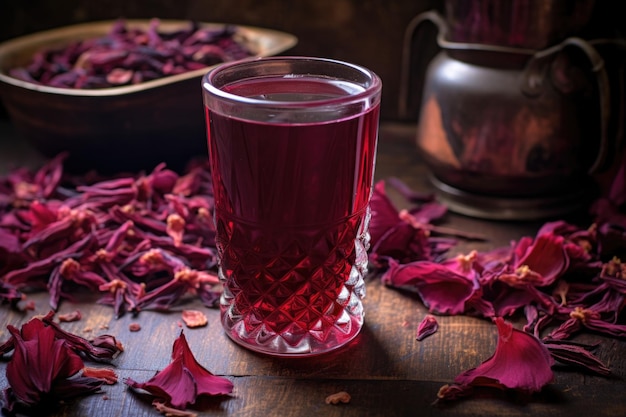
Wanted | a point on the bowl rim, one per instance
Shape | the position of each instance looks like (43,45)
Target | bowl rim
(275,43)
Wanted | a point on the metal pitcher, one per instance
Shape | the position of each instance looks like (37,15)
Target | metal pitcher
(509,131)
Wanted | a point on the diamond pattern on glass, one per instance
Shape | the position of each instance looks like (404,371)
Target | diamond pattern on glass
(293,290)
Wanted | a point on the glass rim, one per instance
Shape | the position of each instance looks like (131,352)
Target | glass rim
(371,90)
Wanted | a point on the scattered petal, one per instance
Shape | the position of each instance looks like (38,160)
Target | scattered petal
(183,380)
(428,326)
(107,375)
(341,397)
(520,362)
(69,317)
(451,392)
(194,318)
(577,355)
(52,367)
(442,290)
(103,347)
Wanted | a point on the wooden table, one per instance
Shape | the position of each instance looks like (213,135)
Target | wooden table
(386,371)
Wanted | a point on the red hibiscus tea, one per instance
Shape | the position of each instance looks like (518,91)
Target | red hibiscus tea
(292,143)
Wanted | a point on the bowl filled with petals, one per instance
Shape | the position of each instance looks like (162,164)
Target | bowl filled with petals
(121,95)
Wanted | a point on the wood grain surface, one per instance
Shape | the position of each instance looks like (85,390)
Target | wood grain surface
(385,370)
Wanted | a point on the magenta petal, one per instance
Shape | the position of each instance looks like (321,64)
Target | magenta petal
(403,243)
(42,365)
(174,384)
(427,327)
(520,362)
(546,256)
(384,213)
(9,242)
(442,290)
(103,347)
(206,382)
(428,212)
(577,355)
(184,379)
(408,193)
(566,329)
(508,299)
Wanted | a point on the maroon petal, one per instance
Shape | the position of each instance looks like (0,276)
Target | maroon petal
(174,384)
(9,243)
(545,257)
(451,392)
(95,349)
(566,329)
(206,382)
(384,213)
(42,364)
(520,362)
(183,380)
(9,294)
(428,326)
(422,217)
(164,296)
(442,290)
(407,192)
(403,243)
(509,299)
(49,175)
(577,355)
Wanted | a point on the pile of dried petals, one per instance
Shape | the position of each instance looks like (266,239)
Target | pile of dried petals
(146,241)
(142,242)
(43,370)
(131,55)
(564,280)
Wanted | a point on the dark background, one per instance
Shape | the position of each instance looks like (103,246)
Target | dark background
(366,32)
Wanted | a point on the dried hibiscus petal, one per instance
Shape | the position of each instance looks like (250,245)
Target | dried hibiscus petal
(43,369)
(520,362)
(428,326)
(407,192)
(588,318)
(341,397)
(103,347)
(577,355)
(539,262)
(75,315)
(441,289)
(131,55)
(194,318)
(392,237)
(184,380)
(9,294)
(107,375)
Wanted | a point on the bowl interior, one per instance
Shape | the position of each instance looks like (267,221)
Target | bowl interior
(19,51)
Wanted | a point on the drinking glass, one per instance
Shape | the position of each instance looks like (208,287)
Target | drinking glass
(292,146)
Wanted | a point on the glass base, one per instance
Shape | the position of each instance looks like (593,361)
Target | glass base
(300,298)
(288,344)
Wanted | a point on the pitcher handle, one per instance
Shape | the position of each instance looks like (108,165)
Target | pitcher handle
(442,41)
(405,74)
(534,77)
